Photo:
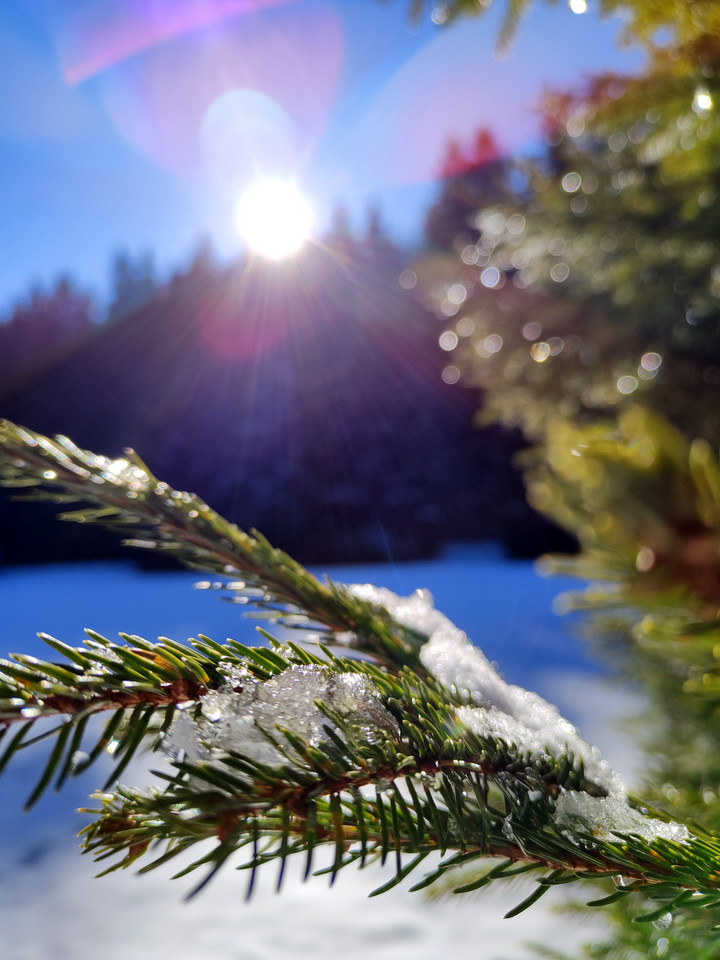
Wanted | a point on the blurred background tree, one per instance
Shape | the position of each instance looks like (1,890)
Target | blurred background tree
(585,282)
(133,284)
(42,328)
(581,293)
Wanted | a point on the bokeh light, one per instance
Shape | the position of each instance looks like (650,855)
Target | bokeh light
(702,101)
(407,279)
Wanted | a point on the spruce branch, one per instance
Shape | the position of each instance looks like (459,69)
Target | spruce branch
(123,495)
(152,679)
(271,751)
(404,818)
(422,784)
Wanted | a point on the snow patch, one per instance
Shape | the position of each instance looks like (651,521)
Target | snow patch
(554,737)
(501,710)
(521,718)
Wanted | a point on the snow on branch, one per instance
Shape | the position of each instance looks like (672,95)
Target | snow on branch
(520,718)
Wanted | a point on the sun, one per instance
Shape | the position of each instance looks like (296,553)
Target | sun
(274,218)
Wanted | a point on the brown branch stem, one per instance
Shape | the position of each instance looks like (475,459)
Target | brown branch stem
(107,698)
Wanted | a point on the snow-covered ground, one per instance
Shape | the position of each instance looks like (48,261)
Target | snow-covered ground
(51,908)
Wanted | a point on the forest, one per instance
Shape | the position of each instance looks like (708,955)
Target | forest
(317,385)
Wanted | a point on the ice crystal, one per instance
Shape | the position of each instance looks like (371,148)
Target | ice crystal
(240,714)
(605,817)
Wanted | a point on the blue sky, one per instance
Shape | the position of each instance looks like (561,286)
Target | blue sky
(126,124)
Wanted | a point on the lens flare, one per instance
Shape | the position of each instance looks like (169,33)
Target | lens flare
(246,134)
(96,36)
(274,218)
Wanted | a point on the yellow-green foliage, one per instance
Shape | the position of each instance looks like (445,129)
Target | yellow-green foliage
(645,507)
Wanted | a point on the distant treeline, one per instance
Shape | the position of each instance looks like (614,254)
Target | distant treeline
(303,398)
